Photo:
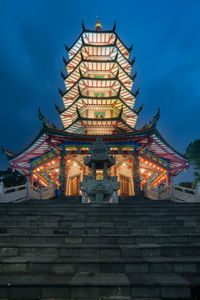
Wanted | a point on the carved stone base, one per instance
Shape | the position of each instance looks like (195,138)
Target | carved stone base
(99,191)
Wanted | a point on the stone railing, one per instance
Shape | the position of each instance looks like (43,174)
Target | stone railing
(156,193)
(182,194)
(25,192)
(176,193)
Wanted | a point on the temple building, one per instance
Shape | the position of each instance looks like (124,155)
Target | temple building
(99,101)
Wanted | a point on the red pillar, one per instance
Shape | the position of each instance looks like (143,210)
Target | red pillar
(84,171)
(67,173)
(115,171)
(31,179)
(168,181)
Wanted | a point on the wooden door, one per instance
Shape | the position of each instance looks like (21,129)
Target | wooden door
(124,185)
(74,185)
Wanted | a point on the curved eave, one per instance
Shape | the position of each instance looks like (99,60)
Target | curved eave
(177,161)
(98,32)
(122,76)
(99,79)
(168,145)
(42,131)
(97,98)
(98,46)
(104,80)
(96,61)
(110,31)
(100,120)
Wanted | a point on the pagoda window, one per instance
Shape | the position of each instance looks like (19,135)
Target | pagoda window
(99,94)
(99,114)
(98,76)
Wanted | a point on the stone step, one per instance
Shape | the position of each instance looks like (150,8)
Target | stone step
(100,209)
(149,250)
(105,217)
(100,250)
(89,223)
(100,239)
(150,205)
(69,265)
(97,285)
(100,229)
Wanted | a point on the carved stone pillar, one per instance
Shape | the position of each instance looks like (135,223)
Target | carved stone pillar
(105,170)
(62,174)
(136,175)
(93,170)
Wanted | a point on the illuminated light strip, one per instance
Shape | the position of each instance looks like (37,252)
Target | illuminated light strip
(153,164)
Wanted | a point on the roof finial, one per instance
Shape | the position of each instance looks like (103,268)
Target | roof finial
(98,25)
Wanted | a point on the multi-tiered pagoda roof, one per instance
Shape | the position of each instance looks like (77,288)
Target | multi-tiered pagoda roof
(98,80)
(99,100)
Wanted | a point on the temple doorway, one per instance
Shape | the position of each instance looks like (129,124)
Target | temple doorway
(74,184)
(124,185)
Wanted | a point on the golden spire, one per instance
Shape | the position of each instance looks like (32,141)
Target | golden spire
(98,25)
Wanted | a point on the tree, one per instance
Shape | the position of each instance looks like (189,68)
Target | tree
(186,184)
(12,178)
(193,155)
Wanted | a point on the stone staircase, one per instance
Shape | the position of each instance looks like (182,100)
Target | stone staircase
(60,249)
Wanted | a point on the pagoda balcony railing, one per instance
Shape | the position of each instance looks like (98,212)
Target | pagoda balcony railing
(25,192)
(175,193)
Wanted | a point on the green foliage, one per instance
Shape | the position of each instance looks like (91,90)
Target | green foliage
(11,178)
(186,184)
(193,154)
(196,179)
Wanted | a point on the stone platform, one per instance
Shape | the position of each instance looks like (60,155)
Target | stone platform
(59,249)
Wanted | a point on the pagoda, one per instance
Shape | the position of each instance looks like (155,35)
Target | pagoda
(99,101)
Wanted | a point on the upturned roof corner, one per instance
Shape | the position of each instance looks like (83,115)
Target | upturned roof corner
(43,119)
(153,123)
(139,109)
(9,154)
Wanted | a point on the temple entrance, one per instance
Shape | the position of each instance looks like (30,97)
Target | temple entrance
(74,184)
(124,185)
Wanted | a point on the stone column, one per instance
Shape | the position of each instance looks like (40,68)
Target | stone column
(1,191)
(62,174)
(93,170)
(136,174)
(105,170)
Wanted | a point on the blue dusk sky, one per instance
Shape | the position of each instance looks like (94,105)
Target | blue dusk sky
(166,39)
